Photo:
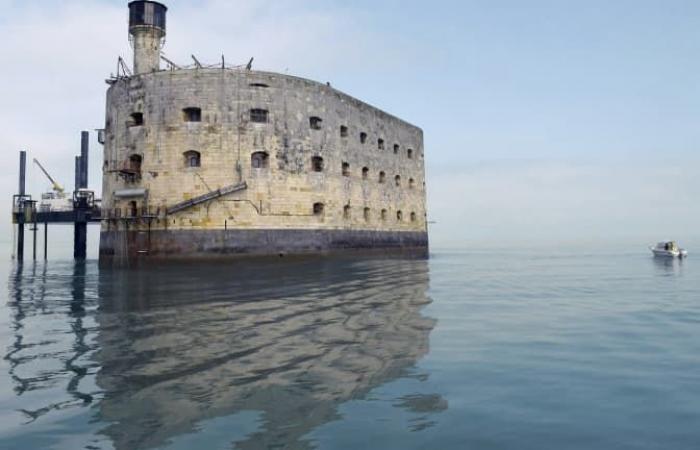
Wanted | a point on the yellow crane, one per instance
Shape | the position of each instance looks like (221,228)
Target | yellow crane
(57,188)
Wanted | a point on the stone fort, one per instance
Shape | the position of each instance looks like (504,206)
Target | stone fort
(210,161)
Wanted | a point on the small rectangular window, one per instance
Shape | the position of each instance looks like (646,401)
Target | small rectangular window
(258,115)
(343,131)
(380,144)
(317,164)
(192,114)
(315,123)
(363,137)
(136,119)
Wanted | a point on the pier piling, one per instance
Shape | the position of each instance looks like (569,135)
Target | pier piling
(20,219)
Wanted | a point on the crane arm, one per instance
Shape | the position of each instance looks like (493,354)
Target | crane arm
(56,187)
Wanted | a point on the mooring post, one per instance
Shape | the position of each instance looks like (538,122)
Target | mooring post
(20,199)
(46,240)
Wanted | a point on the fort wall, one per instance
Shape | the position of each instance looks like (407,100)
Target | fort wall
(308,157)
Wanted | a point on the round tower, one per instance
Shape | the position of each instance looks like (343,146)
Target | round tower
(147,32)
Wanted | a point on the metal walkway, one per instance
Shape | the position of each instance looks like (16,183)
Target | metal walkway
(207,197)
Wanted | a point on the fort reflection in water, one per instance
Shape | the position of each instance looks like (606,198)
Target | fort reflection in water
(155,352)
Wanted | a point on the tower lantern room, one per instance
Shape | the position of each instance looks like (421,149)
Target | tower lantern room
(147,33)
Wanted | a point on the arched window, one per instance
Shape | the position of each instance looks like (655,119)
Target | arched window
(382,177)
(365,213)
(135,163)
(409,153)
(365,173)
(260,160)
(380,144)
(411,183)
(258,115)
(135,119)
(396,149)
(363,137)
(346,169)
(317,164)
(192,159)
(397,180)
(315,123)
(319,208)
(399,216)
(346,212)
(384,215)
(413,217)
(192,114)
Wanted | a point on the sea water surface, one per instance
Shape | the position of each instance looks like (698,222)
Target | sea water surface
(507,349)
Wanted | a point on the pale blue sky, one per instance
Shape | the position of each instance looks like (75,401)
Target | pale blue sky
(568,120)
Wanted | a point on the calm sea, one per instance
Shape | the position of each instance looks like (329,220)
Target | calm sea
(497,349)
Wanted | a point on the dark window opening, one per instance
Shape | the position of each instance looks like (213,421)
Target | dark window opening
(382,177)
(413,217)
(136,119)
(365,173)
(315,123)
(258,85)
(258,115)
(192,159)
(192,114)
(346,212)
(363,137)
(317,164)
(384,214)
(409,153)
(133,209)
(346,169)
(319,208)
(135,163)
(399,216)
(380,144)
(260,160)
(397,180)
(411,183)
(343,131)
(366,214)
(396,149)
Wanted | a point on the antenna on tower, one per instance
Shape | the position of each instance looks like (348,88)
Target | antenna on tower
(172,64)
(122,68)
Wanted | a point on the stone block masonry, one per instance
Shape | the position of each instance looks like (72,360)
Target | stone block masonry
(317,165)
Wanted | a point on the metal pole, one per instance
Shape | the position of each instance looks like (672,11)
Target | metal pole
(77,172)
(34,228)
(20,218)
(80,226)
(22,171)
(80,240)
(84,147)
(46,241)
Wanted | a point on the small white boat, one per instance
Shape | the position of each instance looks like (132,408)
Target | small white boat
(668,249)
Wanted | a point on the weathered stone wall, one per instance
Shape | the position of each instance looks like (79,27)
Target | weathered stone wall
(280,196)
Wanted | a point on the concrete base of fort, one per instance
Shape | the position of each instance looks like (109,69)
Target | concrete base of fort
(119,247)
